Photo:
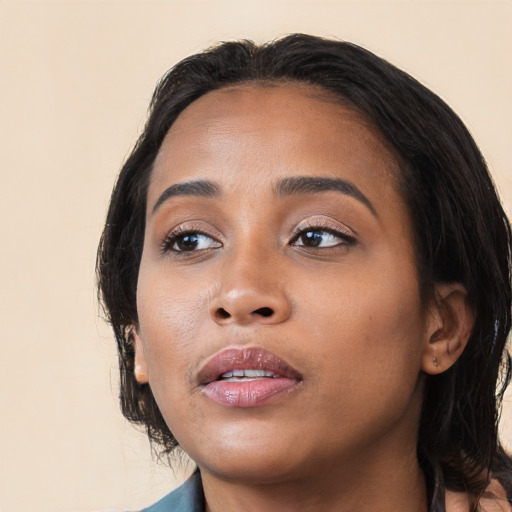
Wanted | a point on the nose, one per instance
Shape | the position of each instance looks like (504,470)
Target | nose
(250,291)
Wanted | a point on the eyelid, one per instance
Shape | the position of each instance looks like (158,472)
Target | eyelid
(185,228)
(326,224)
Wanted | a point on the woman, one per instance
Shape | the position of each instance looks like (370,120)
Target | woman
(306,267)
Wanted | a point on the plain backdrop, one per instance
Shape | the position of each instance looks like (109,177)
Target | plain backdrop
(75,81)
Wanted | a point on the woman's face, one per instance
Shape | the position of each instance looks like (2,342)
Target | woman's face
(280,321)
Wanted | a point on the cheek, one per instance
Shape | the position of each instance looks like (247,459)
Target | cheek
(170,316)
(368,331)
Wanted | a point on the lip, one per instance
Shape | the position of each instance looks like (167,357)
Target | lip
(251,393)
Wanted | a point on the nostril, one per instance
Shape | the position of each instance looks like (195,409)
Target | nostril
(264,312)
(222,313)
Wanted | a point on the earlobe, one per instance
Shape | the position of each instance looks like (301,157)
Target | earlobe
(449,327)
(140,365)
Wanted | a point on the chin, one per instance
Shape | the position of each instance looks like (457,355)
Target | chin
(246,455)
(264,468)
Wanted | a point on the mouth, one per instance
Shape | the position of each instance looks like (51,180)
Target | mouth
(247,377)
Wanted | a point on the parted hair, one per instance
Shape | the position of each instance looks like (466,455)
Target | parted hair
(461,234)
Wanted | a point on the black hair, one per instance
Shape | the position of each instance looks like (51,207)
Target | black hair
(461,234)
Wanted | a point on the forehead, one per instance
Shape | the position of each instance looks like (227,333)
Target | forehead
(243,133)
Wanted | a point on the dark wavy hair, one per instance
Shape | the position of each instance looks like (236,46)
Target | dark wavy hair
(461,234)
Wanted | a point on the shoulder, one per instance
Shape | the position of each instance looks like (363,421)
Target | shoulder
(493,500)
(186,498)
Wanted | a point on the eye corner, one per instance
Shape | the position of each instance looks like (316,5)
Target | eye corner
(322,235)
(188,241)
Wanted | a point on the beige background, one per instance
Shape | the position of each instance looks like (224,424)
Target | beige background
(75,80)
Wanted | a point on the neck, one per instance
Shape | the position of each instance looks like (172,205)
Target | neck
(374,484)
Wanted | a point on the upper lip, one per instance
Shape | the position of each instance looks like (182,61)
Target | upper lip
(245,358)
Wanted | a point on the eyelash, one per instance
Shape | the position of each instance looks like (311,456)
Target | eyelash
(347,240)
(181,232)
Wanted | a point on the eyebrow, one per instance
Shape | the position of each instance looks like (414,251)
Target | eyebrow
(312,185)
(199,188)
(285,187)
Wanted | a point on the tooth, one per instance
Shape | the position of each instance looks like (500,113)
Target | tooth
(254,373)
(240,379)
(247,375)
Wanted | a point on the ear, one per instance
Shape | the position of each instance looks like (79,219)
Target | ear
(449,325)
(140,369)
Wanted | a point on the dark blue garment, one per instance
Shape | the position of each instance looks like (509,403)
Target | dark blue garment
(188,497)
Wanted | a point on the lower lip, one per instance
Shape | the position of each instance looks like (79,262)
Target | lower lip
(250,393)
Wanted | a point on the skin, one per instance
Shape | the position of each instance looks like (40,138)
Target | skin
(347,315)
(493,500)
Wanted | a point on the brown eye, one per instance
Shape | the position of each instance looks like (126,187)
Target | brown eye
(311,238)
(321,238)
(189,242)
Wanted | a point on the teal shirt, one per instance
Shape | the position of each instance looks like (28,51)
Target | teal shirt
(188,497)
